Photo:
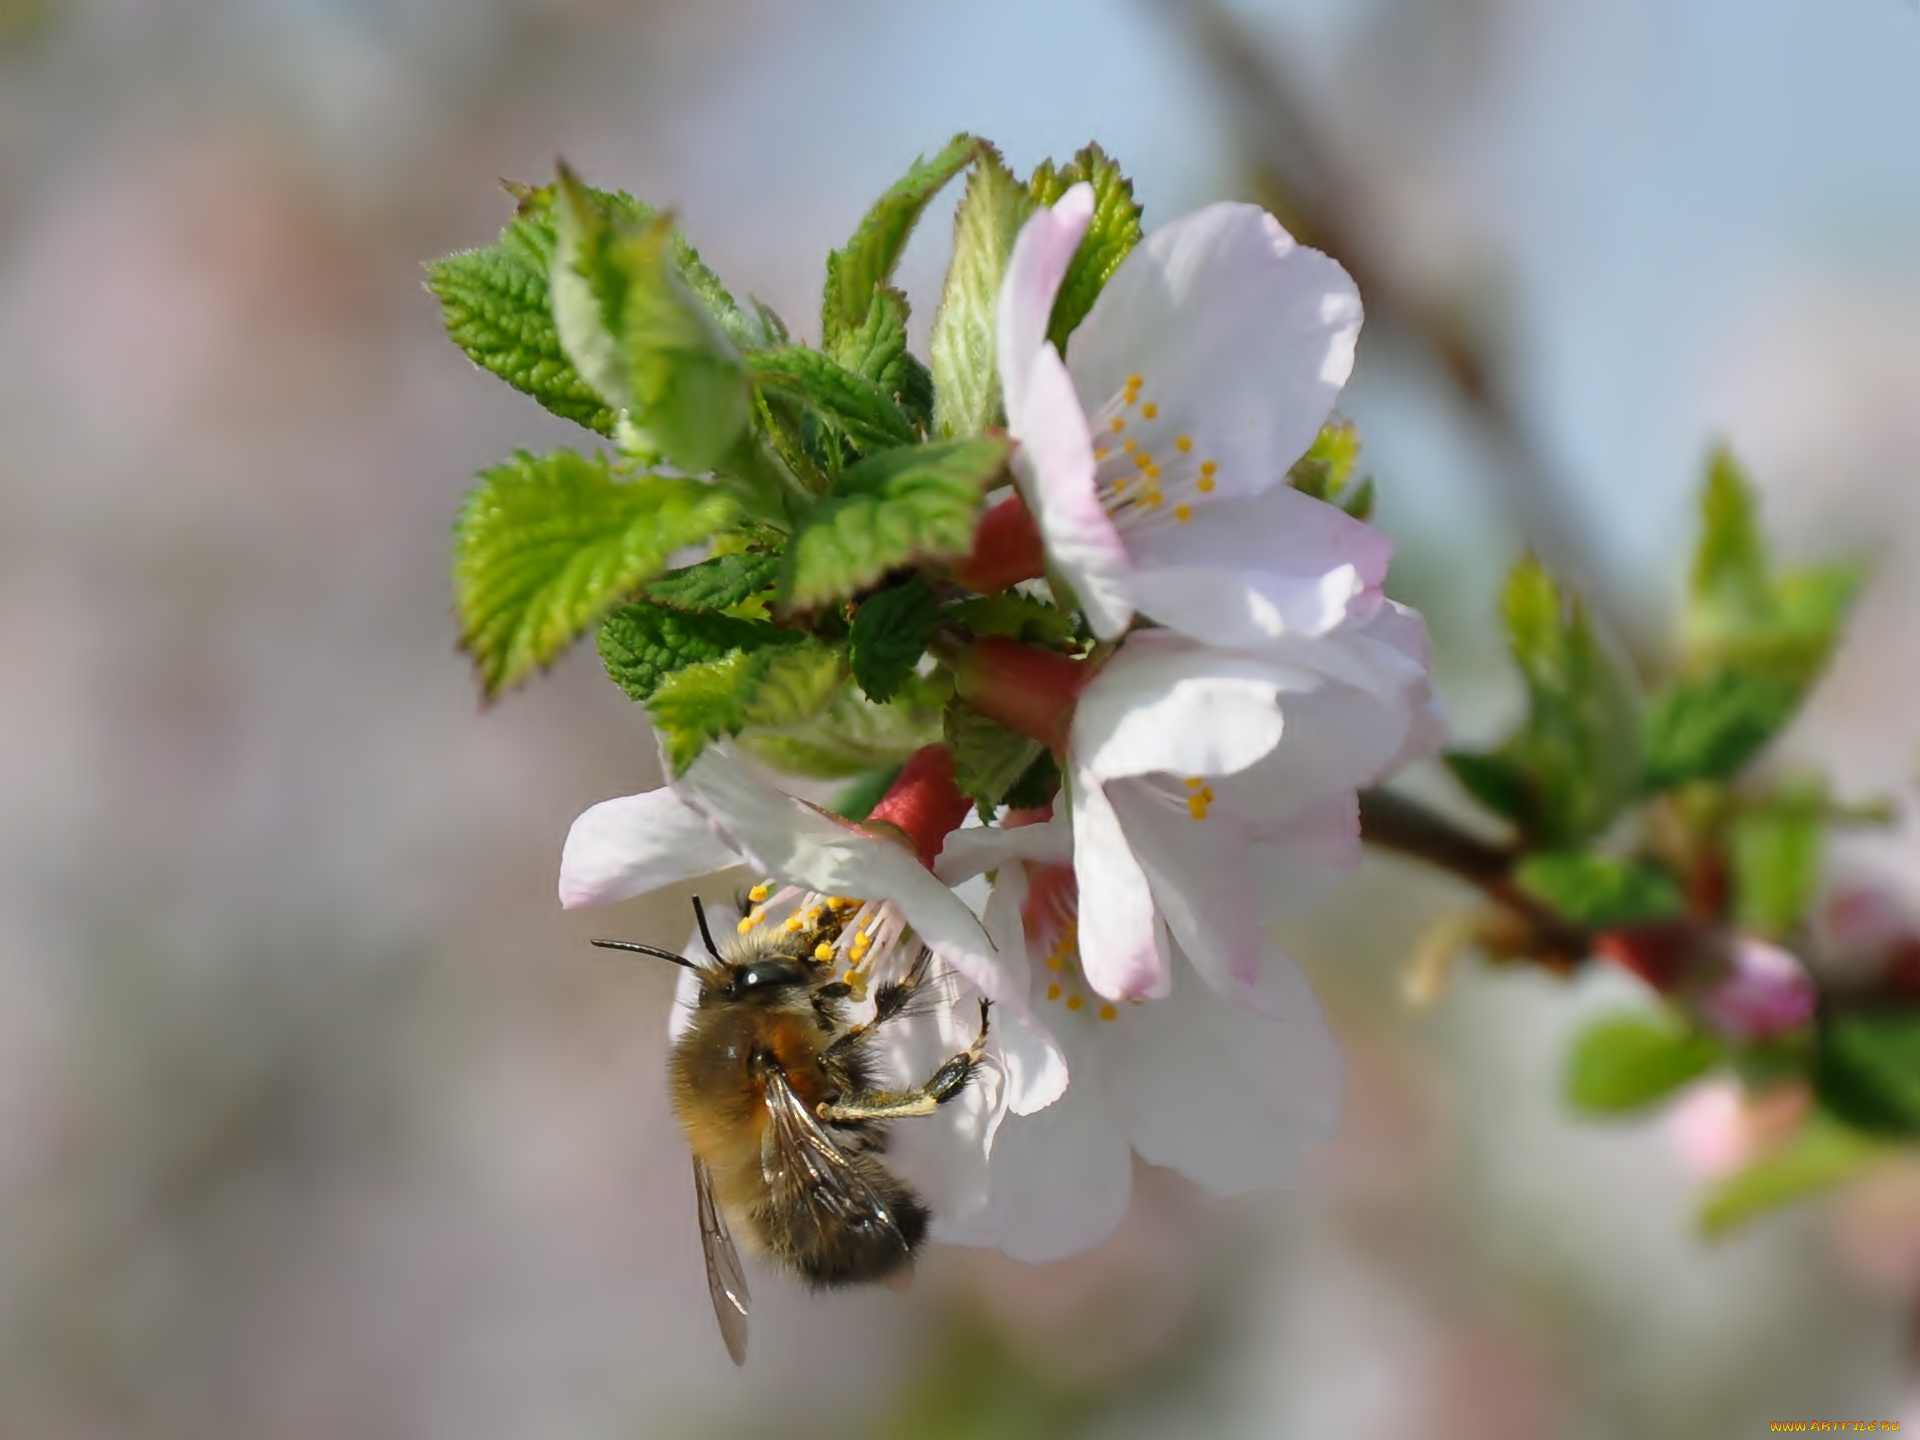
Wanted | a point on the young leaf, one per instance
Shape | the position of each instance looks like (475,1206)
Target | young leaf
(772,686)
(715,584)
(1494,778)
(867,261)
(494,302)
(1580,745)
(642,644)
(638,334)
(1018,617)
(852,735)
(860,408)
(989,759)
(1327,468)
(966,367)
(1114,232)
(1710,727)
(546,544)
(894,509)
(889,636)
(1868,1071)
(856,802)
(877,349)
(1819,1156)
(1779,848)
(1599,892)
(1627,1062)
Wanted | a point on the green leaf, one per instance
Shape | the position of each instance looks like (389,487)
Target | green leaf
(1599,892)
(1496,780)
(851,736)
(1778,847)
(642,644)
(494,302)
(890,632)
(546,544)
(894,509)
(772,686)
(1820,1155)
(877,349)
(1580,747)
(856,802)
(1037,785)
(1709,727)
(989,759)
(1019,617)
(637,332)
(1328,467)
(1628,1062)
(966,366)
(1114,232)
(867,261)
(1868,1071)
(860,408)
(715,584)
(1732,574)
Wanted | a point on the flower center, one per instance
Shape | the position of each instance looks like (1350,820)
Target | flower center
(835,930)
(1144,469)
(1051,917)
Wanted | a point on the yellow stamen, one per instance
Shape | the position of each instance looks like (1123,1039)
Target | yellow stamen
(1143,460)
(792,927)
(1198,802)
(1053,992)
(759,893)
(1204,484)
(1074,1002)
(1118,424)
(746,924)
(1130,446)
(1107,1012)
(823,951)
(1055,963)
(1194,782)
(1134,382)
(1183,513)
(1153,472)
(1183,443)
(1149,410)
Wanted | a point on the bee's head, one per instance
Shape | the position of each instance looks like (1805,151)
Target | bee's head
(766,978)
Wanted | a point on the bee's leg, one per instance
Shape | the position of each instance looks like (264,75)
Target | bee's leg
(946,1083)
(888,1001)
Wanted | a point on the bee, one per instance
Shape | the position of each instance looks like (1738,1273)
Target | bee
(774,1084)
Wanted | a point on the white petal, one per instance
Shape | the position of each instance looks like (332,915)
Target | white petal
(1242,338)
(980,848)
(1122,948)
(1232,1096)
(1297,858)
(1041,254)
(1055,469)
(1166,703)
(626,847)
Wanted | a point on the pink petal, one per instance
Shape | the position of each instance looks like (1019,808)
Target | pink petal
(1041,254)
(626,847)
(1164,703)
(1122,948)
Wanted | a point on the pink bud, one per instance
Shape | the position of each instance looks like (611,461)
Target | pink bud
(924,804)
(1765,993)
(1025,688)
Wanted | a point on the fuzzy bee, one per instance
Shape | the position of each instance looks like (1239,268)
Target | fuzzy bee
(773,1083)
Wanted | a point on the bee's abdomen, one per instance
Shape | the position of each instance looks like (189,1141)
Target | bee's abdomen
(829,1251)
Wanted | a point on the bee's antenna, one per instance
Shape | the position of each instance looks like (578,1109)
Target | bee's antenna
(706,935)
(653,950)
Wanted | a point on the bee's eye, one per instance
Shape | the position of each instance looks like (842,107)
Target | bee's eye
(766,974)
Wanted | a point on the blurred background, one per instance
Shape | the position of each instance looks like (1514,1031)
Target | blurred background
(317,1119)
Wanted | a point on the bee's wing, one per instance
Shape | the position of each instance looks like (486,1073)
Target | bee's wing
(807,1173)
(726,1282)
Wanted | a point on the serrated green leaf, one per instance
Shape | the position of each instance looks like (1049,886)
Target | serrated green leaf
(1038,785)
(1709,727)
(1114,232)
(966,367)
(715,584)
(494,303)
(1600,892)
(1328,467)
(989,759)
(1580,746)
(639,335)
(773,686)
(546,544)
(894,509)
(889,636)
(856,802)
(1496,780)
(858,407)
(642,644)
(851,736)
(1820,1155)
(1778,847)
(867,261)
(876,349)
(1868,1071)
(1019,617)
(1627,1062)
(1732,574)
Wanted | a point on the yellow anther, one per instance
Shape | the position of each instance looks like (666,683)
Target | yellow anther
(837,903)
(1183,513)
(1074,1002)
(1107,1012)
(792,927)
(1134,382)
(1208,467)
(1055,963)
(1152,499)
(1194,782)
(1118,424)
(1149,410)
(1143,460)
(1198,802)
(1098,453)
(1183,443)
(746,924)
(1153,472)
(1053,992)
(759,893)
(1129,446)
(823,951)
(1204,484)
